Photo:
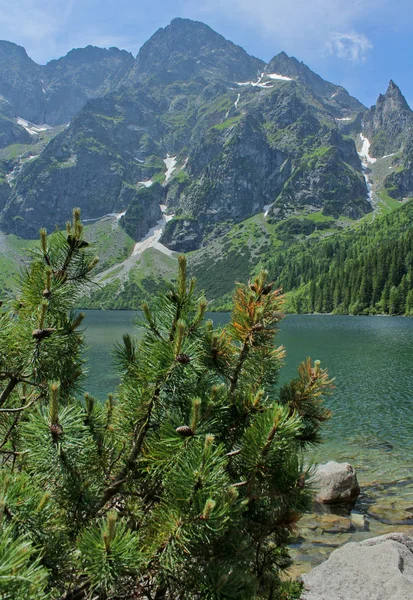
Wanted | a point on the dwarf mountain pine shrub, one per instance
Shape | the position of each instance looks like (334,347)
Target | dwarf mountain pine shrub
(186,482)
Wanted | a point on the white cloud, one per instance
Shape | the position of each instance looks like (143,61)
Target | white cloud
(350,46)
(308,28)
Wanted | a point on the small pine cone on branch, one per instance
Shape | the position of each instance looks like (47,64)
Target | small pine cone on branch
(184,431)
(184,359)
(40,334)
(56,430)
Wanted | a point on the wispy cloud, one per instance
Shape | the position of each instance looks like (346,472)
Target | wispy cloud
(311,28)
(350,46)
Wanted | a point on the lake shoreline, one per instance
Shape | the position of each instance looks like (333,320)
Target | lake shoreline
(228,311)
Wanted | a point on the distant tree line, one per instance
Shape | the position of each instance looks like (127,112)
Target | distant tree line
(364,271)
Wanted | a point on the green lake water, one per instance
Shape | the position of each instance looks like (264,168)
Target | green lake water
(371,359)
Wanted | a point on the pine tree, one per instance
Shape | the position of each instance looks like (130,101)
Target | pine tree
(187,482)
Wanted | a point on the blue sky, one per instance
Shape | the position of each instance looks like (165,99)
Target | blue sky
(360,44)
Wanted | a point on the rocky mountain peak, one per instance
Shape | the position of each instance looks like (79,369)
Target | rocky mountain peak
(393,98)
(10,48)
(388,124)
(55,92)
(90,54)
(289,66)
(185,49)
(20,82)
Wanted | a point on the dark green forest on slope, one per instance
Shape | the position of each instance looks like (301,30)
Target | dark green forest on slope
(364,271)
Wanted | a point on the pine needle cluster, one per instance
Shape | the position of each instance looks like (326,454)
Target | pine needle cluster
(187,482)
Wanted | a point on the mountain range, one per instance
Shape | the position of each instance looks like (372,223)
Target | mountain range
(193,146)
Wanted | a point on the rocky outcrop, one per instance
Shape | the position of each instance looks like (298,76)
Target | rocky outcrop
(336,483)
(12,133)
(376,569)
(88,165)
(4,193)
(235,173)
(182,234)
(399,185)
(389,123)
(143,209)
(324,181)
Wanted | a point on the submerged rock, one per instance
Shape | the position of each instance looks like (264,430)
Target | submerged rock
(378,568)
(392,512)
(336,483)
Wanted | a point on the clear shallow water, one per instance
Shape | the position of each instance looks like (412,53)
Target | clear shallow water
(371,359)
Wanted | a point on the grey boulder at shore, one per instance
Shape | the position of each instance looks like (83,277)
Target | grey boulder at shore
(336,483)
(378,568)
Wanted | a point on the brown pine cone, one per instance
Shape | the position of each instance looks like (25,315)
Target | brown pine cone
(183,359)
(185,431)
(40,334)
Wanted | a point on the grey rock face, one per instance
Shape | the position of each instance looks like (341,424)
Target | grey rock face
(82,74)
(389,123)
(236,174)
(4,194)
(336,483)
(90,164)
(326,183)
(376,569)
(20,82)
(182,235)
(12,133)
(143,209)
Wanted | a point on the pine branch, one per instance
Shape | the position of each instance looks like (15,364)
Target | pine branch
(243,355)
(8,390)
(139,435)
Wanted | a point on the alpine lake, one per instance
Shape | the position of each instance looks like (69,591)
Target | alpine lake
(371,361)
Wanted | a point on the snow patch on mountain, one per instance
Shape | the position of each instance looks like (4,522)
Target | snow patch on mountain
(146,183)
(265,84)
(151,239)
(170,163)
(32,128)
(365,149)
(366,161)
(279,77)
